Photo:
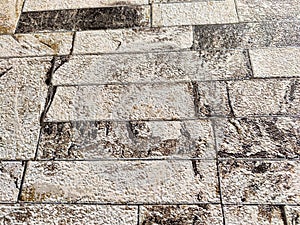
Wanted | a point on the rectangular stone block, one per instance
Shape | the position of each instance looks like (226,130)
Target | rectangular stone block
(151,67)
(35,44)
(265,97)
(276,137)
(122,102)
(10,179)
(10,11)
(133,40)
(253,10)
(22,97)
(193,13)
(84,19)
(205,214)
(253,215)
(104,140)
(247,35)
(156,182)
(260,182)
(40,214)
(276,62)
(292,215)
(44,5)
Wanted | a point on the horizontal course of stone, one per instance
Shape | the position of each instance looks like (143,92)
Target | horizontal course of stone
(150,112)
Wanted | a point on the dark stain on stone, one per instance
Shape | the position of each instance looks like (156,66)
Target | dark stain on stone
(274,133)
(231,111)
(196,97)
(81,19)
(292,91)
(5,71)
(262,168)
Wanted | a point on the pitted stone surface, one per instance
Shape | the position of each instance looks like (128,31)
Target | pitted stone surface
(204,214)
(22,97)
(265,97)
(10,179)
(276,62)
(134,40)
(121,182)
(10,11)
(293,215)
(253,215)
(156,139)
(260,181)
(276,137)
(120,102)
(67,214)
(186,13)
(35,44)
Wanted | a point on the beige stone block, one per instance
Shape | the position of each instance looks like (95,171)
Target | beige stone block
(10,11)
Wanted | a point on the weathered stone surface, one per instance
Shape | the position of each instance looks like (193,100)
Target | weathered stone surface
(22,98)
(260,182)
(35,44)
(213,12)
(121,182)
(152,67)
(253,215)
(293,215)
(265,97)
(10,179)
(155,139)
(276,137)
(205,214)
(276,62)
(10,11)
(44,5)
(255,10)
(247,35)
(84,19)
(134,40)
(67,214)
(211,99)
(122,102)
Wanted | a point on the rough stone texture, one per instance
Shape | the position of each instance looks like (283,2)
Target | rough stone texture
(211,99)
(258,137)
(276,62)
(122,102)
(253,215)
(22,98)
(10,11)
(205,214)
(156,139)
(176,1)
(152,67)
(35,44)
(260,182)
(10,179)
(293,215)
(84,19)
(43,5)
(213,12)
(247,35)
(121,182)
(67,214)
(133,40)
(265,97)
(256,10)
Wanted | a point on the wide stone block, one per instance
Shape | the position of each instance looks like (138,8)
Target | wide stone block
(143,139)
(122,102)
(157,182)
(193,13)
(276,62)
(204,214)
(260,182)
(264,137)
(133,40)
(22,98)
(40,214)
(10,179)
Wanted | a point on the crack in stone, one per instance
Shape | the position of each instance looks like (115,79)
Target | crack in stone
(196,97)
(4,72)
(283,214)
(49,100)
(231,113)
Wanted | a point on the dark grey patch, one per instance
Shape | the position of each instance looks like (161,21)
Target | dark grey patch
(247,35)
(196,97)
(262,168)
(81,19)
